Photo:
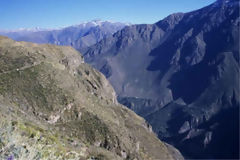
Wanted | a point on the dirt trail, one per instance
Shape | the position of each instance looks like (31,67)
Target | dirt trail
(21,69)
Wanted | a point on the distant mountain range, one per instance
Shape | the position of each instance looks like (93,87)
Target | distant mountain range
(182,75)
(78,36)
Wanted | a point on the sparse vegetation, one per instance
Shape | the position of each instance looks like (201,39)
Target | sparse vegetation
(55,110)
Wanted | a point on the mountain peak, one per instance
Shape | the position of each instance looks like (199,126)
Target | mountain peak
(99,22)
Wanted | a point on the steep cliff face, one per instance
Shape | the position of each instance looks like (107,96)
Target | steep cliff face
(54,106)
(182,75)
(124,58)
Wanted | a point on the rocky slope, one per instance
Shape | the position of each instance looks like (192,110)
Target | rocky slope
(78,36)
(54,106)
(182,75)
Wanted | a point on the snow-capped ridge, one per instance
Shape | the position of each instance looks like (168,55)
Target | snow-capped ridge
(85,24)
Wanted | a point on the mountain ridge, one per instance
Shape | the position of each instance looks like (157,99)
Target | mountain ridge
(55,106)
(188,71)
(79,36)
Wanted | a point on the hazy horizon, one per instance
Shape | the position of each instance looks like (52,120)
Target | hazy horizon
(56,14)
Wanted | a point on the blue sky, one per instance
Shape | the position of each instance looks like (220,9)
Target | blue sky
(58,13)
